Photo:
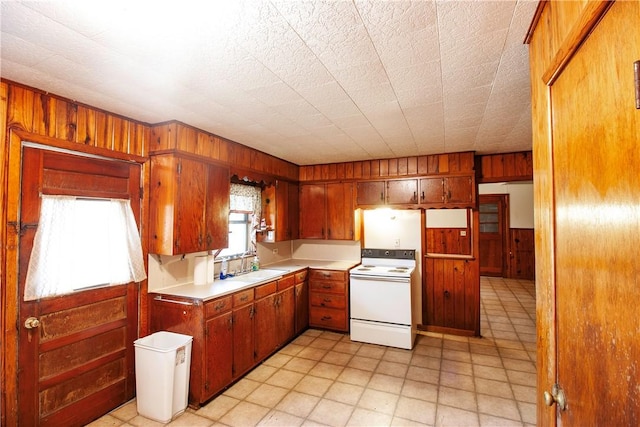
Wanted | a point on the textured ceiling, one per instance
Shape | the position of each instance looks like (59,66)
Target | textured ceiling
(307,81)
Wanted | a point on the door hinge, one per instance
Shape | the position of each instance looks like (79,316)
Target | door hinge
(636,72)
(141,193)
(179,171)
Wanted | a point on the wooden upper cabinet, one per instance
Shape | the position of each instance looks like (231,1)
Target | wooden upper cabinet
(448,191)
(280,210)
(402,192)
(313,211)
(370,193)
(327,211)
(189,205)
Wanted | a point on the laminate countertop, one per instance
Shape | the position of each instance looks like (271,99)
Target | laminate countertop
(267,273)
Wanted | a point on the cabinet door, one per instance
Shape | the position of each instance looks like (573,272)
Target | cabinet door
(285,325)
(459,189)
(243,345)
(293,212)
(431,191)
(402,192)
(370,193)
(219,353)
(190,221)
(301,306)
(217,208)
(266,334)
(312,211)
(339,206)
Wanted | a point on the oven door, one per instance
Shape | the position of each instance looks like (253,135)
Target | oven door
(380,299)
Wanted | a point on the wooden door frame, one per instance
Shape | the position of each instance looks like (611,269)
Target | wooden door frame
(9,293)
(506,242)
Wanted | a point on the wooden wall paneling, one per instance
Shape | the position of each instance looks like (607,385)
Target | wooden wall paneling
(497,166)
(443,163)
(357,170)
(186,138)
(467,161)
(423,165)
(393,167)
(20,108)
(403,166)
(340,171)
(471,310)
(86,126)
(120,135)
(349,170)
(243,156)
(412,165)
(509,164)
(4,167)
(522,260)
(65,120)
(433,165)
(454,162)
(104,130)
(375,168)
(226,151)
(366,169)
(324,172)
(384,167)
(317,172)
(331,172)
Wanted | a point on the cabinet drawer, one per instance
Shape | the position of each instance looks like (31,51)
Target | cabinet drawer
(301,276)
(286,282)
(326,286)
(328,275)
(328,318)
(217,306)
(266,289)
(242,297)
(328,300)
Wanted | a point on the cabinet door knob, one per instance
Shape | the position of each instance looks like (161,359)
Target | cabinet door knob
(447,294)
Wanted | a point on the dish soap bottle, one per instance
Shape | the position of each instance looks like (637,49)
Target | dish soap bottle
(223,268)
(255,264)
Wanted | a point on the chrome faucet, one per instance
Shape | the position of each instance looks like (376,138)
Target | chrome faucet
(243,262)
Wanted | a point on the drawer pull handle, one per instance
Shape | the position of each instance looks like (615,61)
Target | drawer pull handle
(326,287)
(244,297)
(326,318)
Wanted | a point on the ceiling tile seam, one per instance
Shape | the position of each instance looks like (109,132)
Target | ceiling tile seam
(395,94)
(334,79)
(493,80)
(444,128)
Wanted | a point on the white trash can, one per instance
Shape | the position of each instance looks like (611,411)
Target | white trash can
(163,360)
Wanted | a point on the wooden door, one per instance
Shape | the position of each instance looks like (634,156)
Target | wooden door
(243,344)
(402,191)
(293,211)
(339,206)
(492,234)
(217,208)
(302,306)
(190,207)
(370,193)
(459,190)
(432,191)
(312,211)
(285,325)
(596,154)
(78,363)
(266,337)
(218,352)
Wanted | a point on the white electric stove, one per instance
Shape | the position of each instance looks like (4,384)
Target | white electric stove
(381,293)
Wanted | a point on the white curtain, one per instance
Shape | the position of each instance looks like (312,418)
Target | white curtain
(247,198)
(82,243)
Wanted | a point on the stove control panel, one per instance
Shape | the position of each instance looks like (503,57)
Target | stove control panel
(389,253)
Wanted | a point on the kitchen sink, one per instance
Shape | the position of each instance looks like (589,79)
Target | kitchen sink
(255,276)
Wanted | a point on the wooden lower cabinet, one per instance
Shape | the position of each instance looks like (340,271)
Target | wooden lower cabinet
(328,299)
(233,333)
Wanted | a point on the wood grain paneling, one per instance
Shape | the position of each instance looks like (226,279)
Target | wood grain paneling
(453,241)
(522,260)
(505,167)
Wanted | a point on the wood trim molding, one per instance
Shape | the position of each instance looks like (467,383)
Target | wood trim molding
(534,21)
(591,15)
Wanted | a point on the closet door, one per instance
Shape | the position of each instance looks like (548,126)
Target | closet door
(596,140)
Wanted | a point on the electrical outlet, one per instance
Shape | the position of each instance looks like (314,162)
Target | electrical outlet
(397,243)
(275,251)
(463,233)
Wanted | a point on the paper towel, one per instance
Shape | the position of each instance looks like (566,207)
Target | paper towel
(200,270)
(211,269)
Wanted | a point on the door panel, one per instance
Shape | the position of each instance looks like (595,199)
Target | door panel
(596,135)
(77,364)
(492,238)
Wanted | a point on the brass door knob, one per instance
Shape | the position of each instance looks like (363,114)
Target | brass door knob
(31,323)
(556,396)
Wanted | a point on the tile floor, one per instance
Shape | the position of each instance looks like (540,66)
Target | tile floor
(322,378)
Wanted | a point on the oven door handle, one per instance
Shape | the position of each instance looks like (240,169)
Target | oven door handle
(380,279)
